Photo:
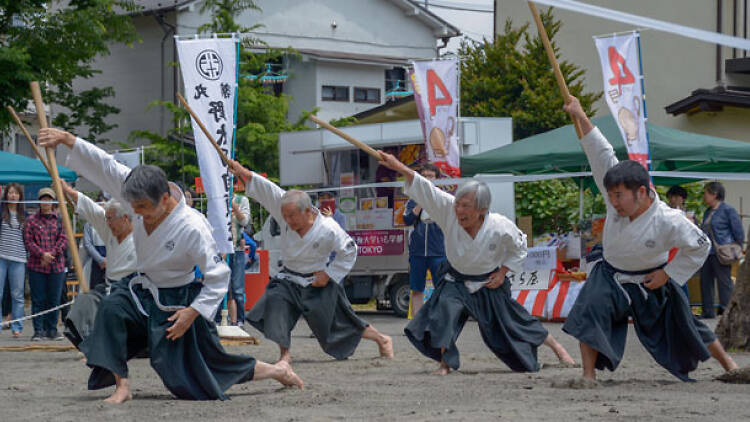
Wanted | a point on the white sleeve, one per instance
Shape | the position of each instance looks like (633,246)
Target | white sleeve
(267,193)
(346,255)
(437,203)
(205,253)
(694,247)
(601,157)
(95,215)
(514,248)
(99,167)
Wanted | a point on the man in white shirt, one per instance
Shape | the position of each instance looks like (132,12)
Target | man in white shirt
(115,227)
(480,247)
(634,277)
(308,285)
(164,308)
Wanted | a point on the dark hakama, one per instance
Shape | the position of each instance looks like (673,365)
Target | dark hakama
(80,320)
(193,367)
(326,309)
(507,328)
(663,322)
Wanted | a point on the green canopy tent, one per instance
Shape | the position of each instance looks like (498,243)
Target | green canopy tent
(559,151)
(25,170)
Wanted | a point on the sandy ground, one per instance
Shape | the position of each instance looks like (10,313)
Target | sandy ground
(42,386)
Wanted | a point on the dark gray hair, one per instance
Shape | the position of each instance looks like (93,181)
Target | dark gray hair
(298,197)
(145,182)
(481,191)
(119,209)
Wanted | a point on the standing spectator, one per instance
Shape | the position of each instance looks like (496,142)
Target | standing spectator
(327,206)
(46,243)
(240,219)
(426,244)
(676,196)
(97,251)
(13,253)
(722,224)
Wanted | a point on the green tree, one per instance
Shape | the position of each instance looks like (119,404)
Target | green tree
(55,43)
(512,77)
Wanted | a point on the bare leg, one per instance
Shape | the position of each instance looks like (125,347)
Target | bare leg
(718,352)
(417,300)
(281,372)
(232,305)
(443,369)
(385,343)
(559,350)
(588,358)
(122,391)
(284,355)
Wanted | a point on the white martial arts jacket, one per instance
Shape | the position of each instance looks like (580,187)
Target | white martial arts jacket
(121,256)
(498,242)
(169,254)
(645,242)
(310,253)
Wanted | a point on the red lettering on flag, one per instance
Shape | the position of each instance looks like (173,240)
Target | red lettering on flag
(433,80)
(615,60)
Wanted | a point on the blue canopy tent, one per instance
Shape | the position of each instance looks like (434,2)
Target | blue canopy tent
(25,170)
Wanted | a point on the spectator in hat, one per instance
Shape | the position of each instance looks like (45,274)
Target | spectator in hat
(46,243)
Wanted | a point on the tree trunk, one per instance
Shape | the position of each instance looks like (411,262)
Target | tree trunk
(733,329)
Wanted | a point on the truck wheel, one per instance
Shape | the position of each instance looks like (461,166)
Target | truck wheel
(399,295)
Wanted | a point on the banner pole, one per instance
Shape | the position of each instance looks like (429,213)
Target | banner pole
(36,93)
(553,61)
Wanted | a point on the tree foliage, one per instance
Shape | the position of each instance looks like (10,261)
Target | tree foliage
(56,42)
(512,77)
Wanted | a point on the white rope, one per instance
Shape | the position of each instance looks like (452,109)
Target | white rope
(7,323)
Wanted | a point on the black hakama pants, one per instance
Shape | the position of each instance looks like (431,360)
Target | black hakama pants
(327,311)
(193,367)
(663,322)
(506,327)
(79,322)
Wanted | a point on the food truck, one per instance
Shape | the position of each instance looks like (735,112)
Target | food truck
(370,197)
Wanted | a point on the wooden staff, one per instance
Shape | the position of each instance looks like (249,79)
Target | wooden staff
(223,156)
(36,93)
(555,67)
(28,138)
(357,143)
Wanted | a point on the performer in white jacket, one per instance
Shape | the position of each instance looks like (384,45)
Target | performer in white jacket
(308,285)
(634,278)
(164,308)
(481,247)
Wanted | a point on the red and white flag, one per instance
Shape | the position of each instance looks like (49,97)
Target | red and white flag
(623,89)
(436,94)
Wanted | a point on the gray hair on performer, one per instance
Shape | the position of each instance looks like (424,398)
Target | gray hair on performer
(145,182)
(482,195)
(297,197)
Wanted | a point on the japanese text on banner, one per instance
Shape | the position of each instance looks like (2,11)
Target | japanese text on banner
(209,71)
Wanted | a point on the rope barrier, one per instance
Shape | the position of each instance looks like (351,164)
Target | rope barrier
(7,323)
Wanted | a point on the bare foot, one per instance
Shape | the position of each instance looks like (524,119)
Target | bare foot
(286,357)
(566,359)
(386,347)
(444,369)
(121,395)
(288,377)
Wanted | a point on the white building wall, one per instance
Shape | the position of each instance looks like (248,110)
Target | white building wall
(349,75)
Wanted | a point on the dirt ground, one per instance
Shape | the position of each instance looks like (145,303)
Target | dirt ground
(42,386)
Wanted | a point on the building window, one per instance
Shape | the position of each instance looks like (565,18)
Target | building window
(335,93)
(367,95)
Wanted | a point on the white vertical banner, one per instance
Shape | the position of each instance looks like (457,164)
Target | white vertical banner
(436,94)
(209,72)
(130,158)
(623,89)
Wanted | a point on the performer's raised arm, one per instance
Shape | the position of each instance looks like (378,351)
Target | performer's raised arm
(260,189)
(89,161)
(205,253)
(436,202)
(598,150)
(92,212)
